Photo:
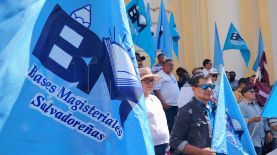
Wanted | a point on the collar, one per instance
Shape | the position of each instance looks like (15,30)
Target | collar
(201,105)
(249,102)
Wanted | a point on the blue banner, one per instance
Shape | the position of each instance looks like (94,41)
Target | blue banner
(70,83)
(230,134)
(218,57)
(174,34)
(163,36)
(235,41)
(140,25)
(260,52)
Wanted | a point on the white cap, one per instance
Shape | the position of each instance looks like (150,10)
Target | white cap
(213,71)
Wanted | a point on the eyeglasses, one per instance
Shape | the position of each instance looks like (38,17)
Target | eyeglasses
(214,75)
(252,91)
(148,80)
(206,86)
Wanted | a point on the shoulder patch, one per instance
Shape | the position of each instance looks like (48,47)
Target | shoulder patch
(190,111)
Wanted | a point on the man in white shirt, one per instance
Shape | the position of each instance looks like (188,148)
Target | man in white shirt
(207,64)
(158,66)
(155,113)
(167,91)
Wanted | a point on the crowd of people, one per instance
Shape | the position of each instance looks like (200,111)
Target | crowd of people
(185,125)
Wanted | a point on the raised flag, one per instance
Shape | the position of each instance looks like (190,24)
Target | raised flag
(151,29)
(262,92)
(263,70)
(230,133)
(163,36)
(262,85)
(235,41)
(270,106)
(150,20)
(218,58)
(70,83)
(140,25)
(174,34)
(260,52)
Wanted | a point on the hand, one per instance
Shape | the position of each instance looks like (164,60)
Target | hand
(207,151)
(257,119)
(269,137)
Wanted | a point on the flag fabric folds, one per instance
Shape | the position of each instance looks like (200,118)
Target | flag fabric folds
(218,57)
(262,92)
(70,83)
(260,52)
(151,27)
(235,41)
(163,36)
(174,34)
(262,83)
(270,106)
(263,70)
(230,133)
(140,25)
(150,19)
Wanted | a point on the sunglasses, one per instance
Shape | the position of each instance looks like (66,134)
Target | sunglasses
(214,75)
(148,80)
(252,91)
(206,86)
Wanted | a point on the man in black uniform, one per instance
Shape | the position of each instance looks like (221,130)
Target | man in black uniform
(192,130)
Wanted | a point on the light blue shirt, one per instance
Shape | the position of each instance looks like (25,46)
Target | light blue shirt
(248,111)
(156,68)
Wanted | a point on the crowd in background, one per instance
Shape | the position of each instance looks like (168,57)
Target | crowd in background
(181,112)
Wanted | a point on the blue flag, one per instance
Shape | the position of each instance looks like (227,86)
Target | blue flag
(150,20)
(260,52)
(270,106)
(230,134)
(218,57)
(235,41)
(174,34)
(163,36)
(140,25)
(151,27)
(70,83)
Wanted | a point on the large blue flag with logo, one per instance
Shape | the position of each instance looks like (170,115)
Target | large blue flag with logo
(235,41)
(230,133)
(163,35)
(260,52)
(218,57)
(140,26)
(69,81)
(270,106)
(174,34)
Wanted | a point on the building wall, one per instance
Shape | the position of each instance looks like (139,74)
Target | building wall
(195,21)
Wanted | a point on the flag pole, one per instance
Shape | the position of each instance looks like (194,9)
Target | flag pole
(255,128)
(256,77)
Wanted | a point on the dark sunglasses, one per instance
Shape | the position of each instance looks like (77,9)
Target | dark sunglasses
(252,91)
(214,75)
(147,80)
(206,86)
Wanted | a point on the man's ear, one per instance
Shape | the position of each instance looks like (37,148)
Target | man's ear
(193,88)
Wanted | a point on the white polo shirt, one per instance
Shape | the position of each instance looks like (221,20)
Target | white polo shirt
(168,87)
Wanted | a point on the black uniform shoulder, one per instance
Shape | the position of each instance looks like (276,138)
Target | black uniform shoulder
(188,108)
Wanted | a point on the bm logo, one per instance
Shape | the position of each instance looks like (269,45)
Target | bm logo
(235,36)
